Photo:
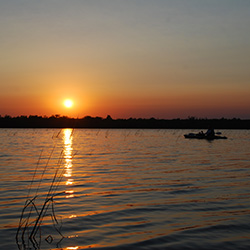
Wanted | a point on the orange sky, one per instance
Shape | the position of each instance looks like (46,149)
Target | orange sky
(162,59)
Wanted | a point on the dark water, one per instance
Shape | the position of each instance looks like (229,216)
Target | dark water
(123,189)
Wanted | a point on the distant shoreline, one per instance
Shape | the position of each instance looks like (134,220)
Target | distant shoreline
(133,123)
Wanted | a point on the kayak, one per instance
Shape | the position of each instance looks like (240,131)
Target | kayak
(203,136)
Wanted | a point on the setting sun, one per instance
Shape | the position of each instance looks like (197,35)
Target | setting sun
(68,103)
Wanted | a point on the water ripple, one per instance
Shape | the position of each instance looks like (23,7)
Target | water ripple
(129,189)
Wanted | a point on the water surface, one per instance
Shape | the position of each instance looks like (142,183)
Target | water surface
(124,189)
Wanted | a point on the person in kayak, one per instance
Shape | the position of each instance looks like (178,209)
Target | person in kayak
(210,132)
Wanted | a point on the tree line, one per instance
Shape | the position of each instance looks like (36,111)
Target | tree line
(57,121)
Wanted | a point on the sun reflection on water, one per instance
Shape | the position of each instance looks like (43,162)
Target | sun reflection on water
(68,155)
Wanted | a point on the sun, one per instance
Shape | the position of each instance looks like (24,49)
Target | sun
(68,103)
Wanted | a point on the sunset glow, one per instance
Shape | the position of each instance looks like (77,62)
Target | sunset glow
(165,60)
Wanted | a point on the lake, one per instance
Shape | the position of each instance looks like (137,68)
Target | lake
(123,189)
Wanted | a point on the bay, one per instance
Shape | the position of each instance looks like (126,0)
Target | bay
(123,189)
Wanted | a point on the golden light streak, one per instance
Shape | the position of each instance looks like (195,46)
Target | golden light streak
(69,182)
(69,196)
(69,192)
(68,155)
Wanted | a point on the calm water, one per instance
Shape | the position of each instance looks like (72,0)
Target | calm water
(123,189)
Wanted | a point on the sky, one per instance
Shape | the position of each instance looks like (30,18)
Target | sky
(135,58)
